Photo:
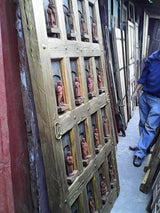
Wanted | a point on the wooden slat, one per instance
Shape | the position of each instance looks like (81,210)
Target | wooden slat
(80,113)
(60,49)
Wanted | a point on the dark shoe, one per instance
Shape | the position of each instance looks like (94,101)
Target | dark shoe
(137,161)
(133,148)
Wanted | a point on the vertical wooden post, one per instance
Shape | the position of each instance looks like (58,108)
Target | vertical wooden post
(15,194)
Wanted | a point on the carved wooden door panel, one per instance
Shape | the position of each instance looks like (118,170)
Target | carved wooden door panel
(67,67)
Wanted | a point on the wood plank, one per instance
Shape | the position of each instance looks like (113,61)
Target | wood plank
(70,118)
(72,49)
(147,164)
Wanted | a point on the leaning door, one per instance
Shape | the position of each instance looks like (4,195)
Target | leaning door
(120,72)
(66,61)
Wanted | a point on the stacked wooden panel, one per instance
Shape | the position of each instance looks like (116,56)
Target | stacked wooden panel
(67,67)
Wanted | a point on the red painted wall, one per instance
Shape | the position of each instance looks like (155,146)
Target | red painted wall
(15,193)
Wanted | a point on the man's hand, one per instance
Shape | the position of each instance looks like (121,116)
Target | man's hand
(135,94)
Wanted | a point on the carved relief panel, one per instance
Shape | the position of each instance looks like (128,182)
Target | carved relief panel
(69,19)
(76,83)
(70,159)
(91,198)
(105,121)
(59,86)
(82,21)
(99,73)
(93,23)
(89,77)
(96,135)
(85,148)
(103,183)
(51,18)
(112,174)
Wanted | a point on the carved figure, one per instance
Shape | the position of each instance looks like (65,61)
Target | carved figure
(94,28)
(69,159)
(60,93)
(106,128)
(111,173)
(77,88)
(51,11)
(90,83)
(104,190)
(83,24)
(96,135)
(70,21)
(84,148)
(91,205)
(99,78)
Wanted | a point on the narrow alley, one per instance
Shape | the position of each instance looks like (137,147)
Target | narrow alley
(130,199)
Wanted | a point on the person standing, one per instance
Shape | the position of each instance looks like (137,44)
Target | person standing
(149,106)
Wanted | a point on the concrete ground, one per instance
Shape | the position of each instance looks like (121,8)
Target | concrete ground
(130,199)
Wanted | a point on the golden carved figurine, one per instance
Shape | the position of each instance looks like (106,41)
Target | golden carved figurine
(104,190)
(91,205)
(84,148)
(69,159)
(96,135)
(90,83)
(51,11)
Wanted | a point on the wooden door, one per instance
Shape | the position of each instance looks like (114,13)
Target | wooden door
(66,59)
(120,72)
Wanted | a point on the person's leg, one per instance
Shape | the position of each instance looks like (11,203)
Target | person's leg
(143,111)
(151,124)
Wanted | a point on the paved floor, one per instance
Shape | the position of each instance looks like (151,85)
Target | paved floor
(130,200)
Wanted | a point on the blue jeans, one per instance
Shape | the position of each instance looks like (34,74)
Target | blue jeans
(149,108)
